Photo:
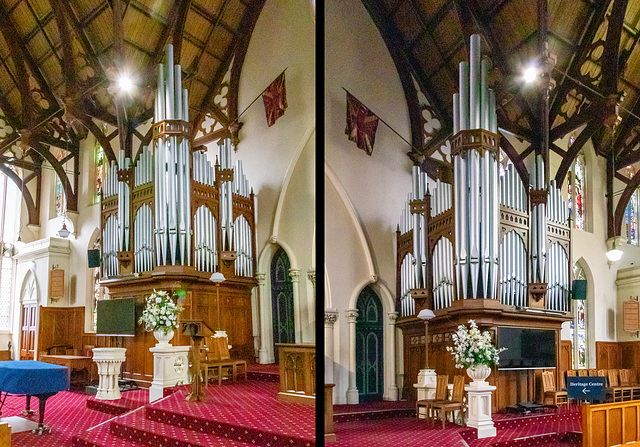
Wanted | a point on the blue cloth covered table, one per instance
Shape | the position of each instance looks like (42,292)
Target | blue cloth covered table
(33,378)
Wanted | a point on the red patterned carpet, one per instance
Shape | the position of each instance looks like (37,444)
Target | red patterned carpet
(66,413)
(245,413)
(559,428)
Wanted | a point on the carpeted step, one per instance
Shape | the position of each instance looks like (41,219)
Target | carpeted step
(135,427)
(241,407)
(129,401)
(101,436)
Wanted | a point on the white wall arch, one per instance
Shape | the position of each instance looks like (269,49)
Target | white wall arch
(591,313)
(330,175)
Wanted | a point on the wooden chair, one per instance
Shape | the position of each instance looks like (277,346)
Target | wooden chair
(583,373)
(593,372)
(239,366)
(617,392)
(549,390)
(456,403)
(442,382)
(212,362)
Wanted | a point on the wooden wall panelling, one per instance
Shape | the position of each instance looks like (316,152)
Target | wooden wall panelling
(564,361)
(60,326)
(608,355)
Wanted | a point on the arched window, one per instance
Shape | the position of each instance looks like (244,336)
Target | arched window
(630,225)
(9,226)
(576,192)
(578,326)
(58,191)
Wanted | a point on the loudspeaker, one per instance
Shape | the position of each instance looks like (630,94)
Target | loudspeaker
(579,289)
(94,258)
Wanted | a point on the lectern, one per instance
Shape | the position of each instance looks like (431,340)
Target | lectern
(196,330)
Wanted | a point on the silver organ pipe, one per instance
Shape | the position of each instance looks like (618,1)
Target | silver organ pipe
(512,190)
(558,285)
(513,284)
(143,242)
(442,273)
(206,252)
(110,246)
(172,169)
(407,304)
(538,228)
(475,185)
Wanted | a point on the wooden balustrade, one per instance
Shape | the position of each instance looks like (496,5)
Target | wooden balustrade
(297,372)
(611,424)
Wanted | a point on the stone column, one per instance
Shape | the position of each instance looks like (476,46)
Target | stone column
(352,391)
(330,317)
(311,307)
(297,308)
(392,391)
(266,327)
(479,402)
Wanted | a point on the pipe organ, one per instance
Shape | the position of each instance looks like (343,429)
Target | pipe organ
(186,210)
(487,235)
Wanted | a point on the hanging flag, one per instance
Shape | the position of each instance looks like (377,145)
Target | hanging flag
(275,100)
(361,124)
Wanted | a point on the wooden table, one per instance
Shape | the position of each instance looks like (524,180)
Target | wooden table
(72,362)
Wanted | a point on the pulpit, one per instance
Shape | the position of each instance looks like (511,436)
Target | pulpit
(196,330)
(297,372)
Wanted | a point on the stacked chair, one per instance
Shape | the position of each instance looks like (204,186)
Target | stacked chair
(441,394)
(456,403)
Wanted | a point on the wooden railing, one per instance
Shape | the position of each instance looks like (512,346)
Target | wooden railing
(297,372)
(613,424)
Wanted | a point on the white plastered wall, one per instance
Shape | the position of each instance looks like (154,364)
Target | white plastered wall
(364,195)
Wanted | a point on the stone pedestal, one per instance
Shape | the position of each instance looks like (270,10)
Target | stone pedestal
(108,361)
(170,368)
(426,387)
(479,401)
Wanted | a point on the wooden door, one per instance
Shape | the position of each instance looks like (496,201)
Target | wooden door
(369,352)
(28,331)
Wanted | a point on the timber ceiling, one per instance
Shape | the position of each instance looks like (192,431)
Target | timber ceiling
(59,60)
(428,38)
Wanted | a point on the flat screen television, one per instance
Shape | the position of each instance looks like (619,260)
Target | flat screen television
(527,348)
(116,317)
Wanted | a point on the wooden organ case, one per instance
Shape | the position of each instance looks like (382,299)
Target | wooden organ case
(170,218)
(483,248)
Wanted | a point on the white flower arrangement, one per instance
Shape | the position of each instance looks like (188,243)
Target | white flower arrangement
(473,347)
(160,313)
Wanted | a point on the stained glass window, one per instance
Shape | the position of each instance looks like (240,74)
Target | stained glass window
(59,198)
(99,159)
(576,192)
(631,219)
(578,326)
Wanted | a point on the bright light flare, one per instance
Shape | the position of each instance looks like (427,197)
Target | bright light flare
(125,83)
(530,74)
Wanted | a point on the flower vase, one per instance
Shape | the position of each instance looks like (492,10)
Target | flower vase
(479,373)
(163,337)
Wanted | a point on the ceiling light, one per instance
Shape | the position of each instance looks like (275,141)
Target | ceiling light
(64,232)
(613,246)
(125,83)
(530,74)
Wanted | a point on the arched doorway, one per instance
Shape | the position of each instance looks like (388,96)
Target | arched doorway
(369,353)
(28,318)
(284,330)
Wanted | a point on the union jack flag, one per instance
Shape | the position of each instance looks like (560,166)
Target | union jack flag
(361,124)
(275,99)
